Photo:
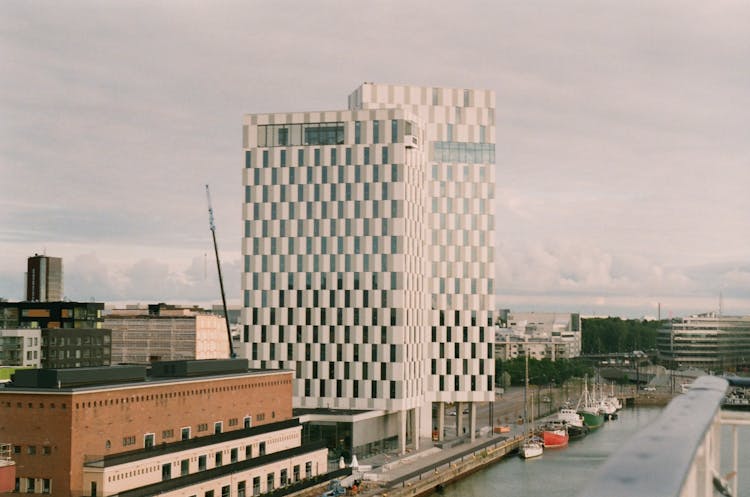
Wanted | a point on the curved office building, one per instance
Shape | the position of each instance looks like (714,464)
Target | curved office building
(710,341)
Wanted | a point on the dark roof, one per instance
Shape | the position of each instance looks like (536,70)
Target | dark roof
(122,374)
(158,450)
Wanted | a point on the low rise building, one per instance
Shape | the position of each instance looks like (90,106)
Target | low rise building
(709,341)
(21,347)
(541,335)
(188,428)
(164,332)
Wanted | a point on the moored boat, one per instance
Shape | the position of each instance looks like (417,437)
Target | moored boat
(589,409)
(532,447)
(555,435)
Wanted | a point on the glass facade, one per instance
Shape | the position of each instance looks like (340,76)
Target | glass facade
(286,135)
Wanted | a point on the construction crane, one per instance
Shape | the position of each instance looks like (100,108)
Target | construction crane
(218,268)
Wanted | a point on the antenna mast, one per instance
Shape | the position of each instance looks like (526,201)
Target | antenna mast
(218,268)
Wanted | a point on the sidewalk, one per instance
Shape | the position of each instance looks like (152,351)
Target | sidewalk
(388,468)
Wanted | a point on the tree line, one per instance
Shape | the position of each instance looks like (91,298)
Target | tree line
(610,335)
(541,371)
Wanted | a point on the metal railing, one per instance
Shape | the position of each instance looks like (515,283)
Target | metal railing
(678,455)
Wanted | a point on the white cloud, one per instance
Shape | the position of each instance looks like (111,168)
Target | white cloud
(622,151)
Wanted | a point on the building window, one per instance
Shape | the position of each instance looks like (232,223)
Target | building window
(308,469)
(185,433)
(47,486)
(31,450)
(248,421)
(241,489)
(270,477)
(234,455)
(225,491)
(208,493)
(248,451)
(295,472)
(256,486)
(202,463)
(283,476)
(184,467)
(217,427)
(357,132)
(30,485)
(166,471)
(218,459)
(148,440)
(262,449)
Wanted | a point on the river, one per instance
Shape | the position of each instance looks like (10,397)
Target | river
(564,472)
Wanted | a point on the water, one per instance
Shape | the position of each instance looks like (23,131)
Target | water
(565,472)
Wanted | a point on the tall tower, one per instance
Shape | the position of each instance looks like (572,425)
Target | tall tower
(44,279)
(368,250)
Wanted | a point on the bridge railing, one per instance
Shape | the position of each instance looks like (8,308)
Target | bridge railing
(678,455)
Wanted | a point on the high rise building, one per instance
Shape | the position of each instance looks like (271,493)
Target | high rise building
(44,279)
(368,258)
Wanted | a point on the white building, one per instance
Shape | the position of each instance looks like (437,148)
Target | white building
(710,341)
(543,335)
(368,251)
(21,347)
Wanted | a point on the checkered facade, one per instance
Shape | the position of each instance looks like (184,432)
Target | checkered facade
(459,183)
(368,262)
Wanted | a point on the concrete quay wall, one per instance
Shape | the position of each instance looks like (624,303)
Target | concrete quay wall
(443,473)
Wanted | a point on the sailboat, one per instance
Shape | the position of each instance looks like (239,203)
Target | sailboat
(532,446)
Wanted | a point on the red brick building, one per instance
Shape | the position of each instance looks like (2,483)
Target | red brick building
(59,421)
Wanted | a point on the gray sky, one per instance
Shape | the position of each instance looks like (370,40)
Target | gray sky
(623,152)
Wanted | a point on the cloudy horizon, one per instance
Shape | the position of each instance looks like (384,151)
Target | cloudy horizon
(622,155)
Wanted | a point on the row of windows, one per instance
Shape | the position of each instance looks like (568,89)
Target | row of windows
(285,232)
(169,395)
(30,405)
(326,133)
(268,158)
(31,450)
(284,479)
(335,317)
(284,135)
(465,369)
(377,390)
(474,383)
(33,485)
(463,152)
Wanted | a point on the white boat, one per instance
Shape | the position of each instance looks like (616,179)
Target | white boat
(532,447)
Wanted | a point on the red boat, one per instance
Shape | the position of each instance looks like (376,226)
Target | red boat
(555,436)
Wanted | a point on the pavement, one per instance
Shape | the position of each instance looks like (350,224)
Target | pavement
(391,467)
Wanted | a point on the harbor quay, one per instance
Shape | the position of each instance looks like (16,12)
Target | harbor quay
(438,464)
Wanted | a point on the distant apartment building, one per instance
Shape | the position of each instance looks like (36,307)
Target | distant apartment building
(368,252)
(44,279)
(21,347)
(187,428)
(165,332)
(541,335)
(51,314)
(55,347)
(709,341)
